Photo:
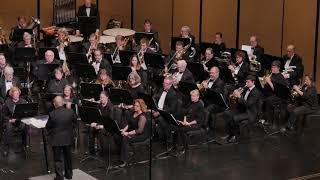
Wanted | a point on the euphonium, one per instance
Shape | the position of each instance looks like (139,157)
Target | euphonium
(255,65)
(201,85)
(232,98)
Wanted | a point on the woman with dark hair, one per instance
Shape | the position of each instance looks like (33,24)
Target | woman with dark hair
(136,67)
(69,97)
(306,101)
(135,130)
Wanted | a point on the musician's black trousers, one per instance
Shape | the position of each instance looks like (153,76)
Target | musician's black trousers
(92,135)
(62,159)
(11,129)
(232,119)
(212,111)
(296,113)
(125,142)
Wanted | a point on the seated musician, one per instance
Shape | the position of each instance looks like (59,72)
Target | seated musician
(144,47)
(240,70)
(257,50)
(135,85)
(100,62)
(27,41)
(214,83)
(135,130)
(62,43)
(185,32)
(92,45)
(292,65)
(8,81)
(177,54)
(218,40)
(48,58)
(104,79)
(57,84)
(182,73)
(21,24)
(306,102)
(147,27)
(3,64)
(166,99)
(69,96)
(106,108)
(193,118)
(208,57)
(269,88)
(10,124)
(247,108)
(120,45)
(136,67)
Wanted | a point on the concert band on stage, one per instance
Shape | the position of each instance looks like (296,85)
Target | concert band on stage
(197,84)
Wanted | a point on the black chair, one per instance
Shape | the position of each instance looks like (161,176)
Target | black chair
(310,117)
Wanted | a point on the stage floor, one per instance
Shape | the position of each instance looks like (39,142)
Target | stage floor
(271,158)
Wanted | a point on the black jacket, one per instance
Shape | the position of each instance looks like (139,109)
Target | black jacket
(243,73)
(60,126)
(15,82)
(298,71)
(258,51)
(170,102)
(187,76)
(218,86)
(94,12)
(251,105)
(9,108)
(309,98)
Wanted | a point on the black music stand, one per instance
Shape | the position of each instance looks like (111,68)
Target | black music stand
(17,34)
(108,58)
(212,97)
(197,70)
(215,48)
(154,60)
(77,58)
(174,40)
(4,48)
(226,75)
(169,118)
(24,54)
(151,104)
(90,115)
(43,50)
(125,56)
(139,35)
(89,90)
(45,71)
(25,110)
(212,63)
(87,25)
(120,73)
(118,96)
(86,72)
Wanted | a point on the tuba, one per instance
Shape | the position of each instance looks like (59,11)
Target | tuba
(232,98)
(34,23)
(255,65)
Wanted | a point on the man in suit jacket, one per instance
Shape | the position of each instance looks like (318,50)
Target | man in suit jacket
(240,71)
(182,74)
(100,62)
(258,50)
(89,10)
(8,81)
(248,108)
(292,59)
(60,131)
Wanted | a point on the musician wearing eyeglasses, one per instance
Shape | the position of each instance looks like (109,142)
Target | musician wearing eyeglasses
(306,102)
(8,81)
(144,47)
(257,50)
(292,65)
(89,10)
(240,70)
(27,41)
(185,32)
(100,62)
(106,108)
(11,124)
(89,47)
(208,60)
(247,109)
(218,40)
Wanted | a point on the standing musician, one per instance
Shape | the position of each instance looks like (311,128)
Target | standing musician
(104,79)
(135,85)
(136,67)
(147,28)
(218,40)
(214,83)
(306,102)
(106,108)
(11,124)
(89,10)
(240,70)
(257,50)
(57,84)
(166,99)
(247,108)
(269,88)
(21,24)
(100,62)
(292,65)
(27,41)
(60,127)
(8,81)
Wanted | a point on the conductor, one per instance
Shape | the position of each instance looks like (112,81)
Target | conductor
(60,133)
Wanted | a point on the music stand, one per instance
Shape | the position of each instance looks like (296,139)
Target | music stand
(108,58)
(89,90)
(174,40)
(151,104)
(118,96)
(86,71)
(212,97)
(215,48)
(120,73)
(25,110)
(45,71)
(186,87)
(24,54)
(125,57)
(77,58)
(212,63)
(17,34)
(4,48)
(43,50)
(139,35)
(154,60)
(87,25)
(197,70)
(226,75)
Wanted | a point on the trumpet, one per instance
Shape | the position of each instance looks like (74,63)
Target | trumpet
(90,52)
(295,93)
(66,41)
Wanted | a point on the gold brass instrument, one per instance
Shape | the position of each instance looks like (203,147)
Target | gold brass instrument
(295,93)
(3,39)
(255,65)
(263,80)
(66,41)
(233,99)
(115,55)
(90,52)
(201,86)
(34,23)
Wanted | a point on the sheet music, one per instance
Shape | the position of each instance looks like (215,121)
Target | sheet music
(248,49)
(37,122)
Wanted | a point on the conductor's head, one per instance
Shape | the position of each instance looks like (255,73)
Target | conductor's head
(58,101)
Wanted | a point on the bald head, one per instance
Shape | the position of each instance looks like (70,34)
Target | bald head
(290,50)
(58,101)
(49,56)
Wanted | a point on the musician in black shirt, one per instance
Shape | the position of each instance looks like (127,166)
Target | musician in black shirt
(219,42)
(57,84)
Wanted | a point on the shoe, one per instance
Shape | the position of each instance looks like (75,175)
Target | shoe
(225,137)
(232,139)
(124,164)
(5,153)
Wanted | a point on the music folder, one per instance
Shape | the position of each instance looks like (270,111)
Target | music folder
(154,60)
(24,54)
(90,115)
(174,40)
(90,90)
(25,110)
(169,118)
(118,96)
(139,35)
(212,97)
(86,71)
(111,126)
(77,58)
(43,50)
(197,71)
(17,34)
